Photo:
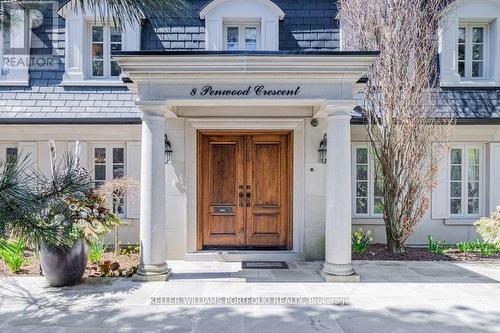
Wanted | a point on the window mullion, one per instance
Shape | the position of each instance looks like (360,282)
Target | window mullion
(109,162)
(468,51)
(242,36)
(107,51)
(465,180)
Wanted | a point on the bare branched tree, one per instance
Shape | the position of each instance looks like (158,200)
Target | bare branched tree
(116,190)
(400,101)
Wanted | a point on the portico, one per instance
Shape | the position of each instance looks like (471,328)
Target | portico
(244,94)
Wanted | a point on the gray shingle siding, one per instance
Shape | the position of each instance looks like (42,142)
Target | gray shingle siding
(481,103)
(308,25)
(66,102)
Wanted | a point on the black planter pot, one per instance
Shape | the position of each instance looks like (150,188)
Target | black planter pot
(64,267)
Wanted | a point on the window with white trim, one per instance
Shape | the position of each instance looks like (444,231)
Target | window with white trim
(11,153)
(104,40)
(242,25)
(472,49)
(367,183)
(242,37)
(465,180)
(87,55)
(109,163)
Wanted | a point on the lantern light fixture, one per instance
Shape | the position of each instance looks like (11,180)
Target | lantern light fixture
(322,150)
(168,151)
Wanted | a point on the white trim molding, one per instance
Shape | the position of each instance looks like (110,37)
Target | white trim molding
(14,65)
(229,68)
(264,13)
(78,44)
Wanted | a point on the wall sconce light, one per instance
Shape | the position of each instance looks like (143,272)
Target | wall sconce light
(322,150)
(168,151)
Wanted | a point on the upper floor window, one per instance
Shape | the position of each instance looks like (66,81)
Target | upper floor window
(104,40)
(89,41)
(468,44)
(243,25)
(242,37)
(471,51)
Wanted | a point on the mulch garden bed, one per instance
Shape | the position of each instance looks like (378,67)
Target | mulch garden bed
(379,252)
(126,263)
(375,252)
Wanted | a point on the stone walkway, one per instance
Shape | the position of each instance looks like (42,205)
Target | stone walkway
(392,297)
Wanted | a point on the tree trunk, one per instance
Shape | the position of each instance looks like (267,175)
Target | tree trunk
(392,225)
(393,246)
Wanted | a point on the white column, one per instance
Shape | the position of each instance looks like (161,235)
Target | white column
(337,266)
(153,264)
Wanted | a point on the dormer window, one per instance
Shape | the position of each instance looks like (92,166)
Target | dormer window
(241,25)
(469,45)
(89,42)
(104,40)
(242,37)
(471,51)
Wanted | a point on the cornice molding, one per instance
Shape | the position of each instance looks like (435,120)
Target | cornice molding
(232,68)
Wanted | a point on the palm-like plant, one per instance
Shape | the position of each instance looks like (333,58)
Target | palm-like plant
(32,203)
(120,10)
(19,205)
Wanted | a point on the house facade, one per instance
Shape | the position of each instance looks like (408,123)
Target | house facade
(221,114)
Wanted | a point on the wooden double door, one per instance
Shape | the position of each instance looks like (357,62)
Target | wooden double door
(244,190)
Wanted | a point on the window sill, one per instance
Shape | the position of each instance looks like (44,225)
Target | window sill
(93,83)
(14,83)
(461,221)
(470,84)
(368,220)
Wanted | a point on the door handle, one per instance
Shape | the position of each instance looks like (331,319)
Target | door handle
(248,198)
(240,195)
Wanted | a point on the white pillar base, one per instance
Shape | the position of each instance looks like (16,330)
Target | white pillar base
(338,269)
(353,278)
(153,273)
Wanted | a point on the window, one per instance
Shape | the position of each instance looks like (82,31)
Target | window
(242,37)
(10,153)
(104,40)
(109,163)
(471,51)
(241,25)
(465,181)
(368,189)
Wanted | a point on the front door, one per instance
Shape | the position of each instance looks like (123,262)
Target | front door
(244,190)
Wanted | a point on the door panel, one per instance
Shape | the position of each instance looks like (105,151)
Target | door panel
(221,176)
(267,179)
(244,190)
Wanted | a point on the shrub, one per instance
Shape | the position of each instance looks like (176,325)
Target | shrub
(489,228)
(96,251)
(438,247)
(12,253)
(361,240)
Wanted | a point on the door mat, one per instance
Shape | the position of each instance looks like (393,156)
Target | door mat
(264,265)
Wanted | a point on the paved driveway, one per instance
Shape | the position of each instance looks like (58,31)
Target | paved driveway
(392,297)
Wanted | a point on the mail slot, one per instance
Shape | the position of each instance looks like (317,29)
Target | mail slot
(223,209)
